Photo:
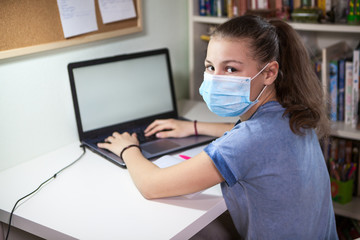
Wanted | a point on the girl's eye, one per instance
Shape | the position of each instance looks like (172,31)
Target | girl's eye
(210,68)
(230,69)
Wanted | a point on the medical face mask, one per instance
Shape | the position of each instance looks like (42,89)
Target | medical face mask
(228,96)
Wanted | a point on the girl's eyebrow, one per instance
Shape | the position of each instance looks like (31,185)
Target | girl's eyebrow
(233,61)
(226,61)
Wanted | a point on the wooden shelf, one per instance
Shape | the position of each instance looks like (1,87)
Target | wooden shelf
(336,28)
(339,28)
(340,129)
(209,20)
(350,210)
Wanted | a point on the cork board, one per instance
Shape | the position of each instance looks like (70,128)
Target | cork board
(28,26)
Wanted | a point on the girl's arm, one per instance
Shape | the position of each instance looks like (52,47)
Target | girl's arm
(195,174)
(165,128)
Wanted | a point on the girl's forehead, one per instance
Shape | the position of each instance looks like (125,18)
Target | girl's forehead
(242,42)
(225,49)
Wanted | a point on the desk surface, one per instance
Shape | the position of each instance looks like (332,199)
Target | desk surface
(95,199)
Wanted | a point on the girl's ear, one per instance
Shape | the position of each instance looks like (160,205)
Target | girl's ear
(271,72)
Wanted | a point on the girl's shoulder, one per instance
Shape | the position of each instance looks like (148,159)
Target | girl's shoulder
(272,106)
(268,118)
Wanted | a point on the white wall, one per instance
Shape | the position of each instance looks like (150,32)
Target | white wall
(36,112)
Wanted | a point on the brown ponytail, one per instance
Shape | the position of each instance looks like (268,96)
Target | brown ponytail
(298,89)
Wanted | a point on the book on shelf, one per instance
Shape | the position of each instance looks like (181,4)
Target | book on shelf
(218,8)
(353,12)
(341,90)
(355,88)
(333,84)
(202,8)
(347,228)
(338,11)
(348,92)
(232,8)
(330,55)
(340,76)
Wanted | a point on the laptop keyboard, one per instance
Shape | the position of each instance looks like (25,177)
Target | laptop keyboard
(139,133)
(142,138)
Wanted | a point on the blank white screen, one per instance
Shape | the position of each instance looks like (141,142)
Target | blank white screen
(121,91)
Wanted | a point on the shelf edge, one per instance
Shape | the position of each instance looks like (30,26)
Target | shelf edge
(336,28)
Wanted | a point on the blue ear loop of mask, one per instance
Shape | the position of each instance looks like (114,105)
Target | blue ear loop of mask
(228,96)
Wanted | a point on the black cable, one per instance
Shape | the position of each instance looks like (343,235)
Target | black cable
(42,184)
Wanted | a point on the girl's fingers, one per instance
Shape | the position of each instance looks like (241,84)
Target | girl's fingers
(157,126)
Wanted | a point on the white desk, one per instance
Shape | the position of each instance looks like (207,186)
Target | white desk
(95,199)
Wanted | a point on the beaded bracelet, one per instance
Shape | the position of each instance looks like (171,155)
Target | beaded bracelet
(130,146)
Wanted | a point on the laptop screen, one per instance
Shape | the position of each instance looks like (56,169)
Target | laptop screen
(123,89)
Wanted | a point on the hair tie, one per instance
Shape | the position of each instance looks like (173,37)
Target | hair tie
(130,146)
(195,128)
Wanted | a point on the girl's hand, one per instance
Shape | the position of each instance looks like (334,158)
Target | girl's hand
(117,142)
(166,128)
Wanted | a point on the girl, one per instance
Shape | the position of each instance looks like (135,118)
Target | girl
(272,172)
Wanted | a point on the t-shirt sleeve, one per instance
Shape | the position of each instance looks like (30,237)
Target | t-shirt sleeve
(220,163)
(234,154)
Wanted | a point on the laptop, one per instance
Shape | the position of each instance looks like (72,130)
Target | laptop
(125,93)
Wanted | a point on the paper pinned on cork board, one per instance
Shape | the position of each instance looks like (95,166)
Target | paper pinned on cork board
(116,10)
(77,17)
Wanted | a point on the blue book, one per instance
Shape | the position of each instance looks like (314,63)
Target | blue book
(213,4)
(207,8)
(355,93)
(333,67)
(202,9)
(341,90)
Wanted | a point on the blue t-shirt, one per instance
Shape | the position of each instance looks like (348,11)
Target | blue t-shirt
(276,182)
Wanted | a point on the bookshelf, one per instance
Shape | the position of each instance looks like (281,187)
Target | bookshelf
(350,210)
(334,28)
(324,35)
(341,130)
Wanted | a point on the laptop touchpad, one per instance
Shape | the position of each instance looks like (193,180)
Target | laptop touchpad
(159,146)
